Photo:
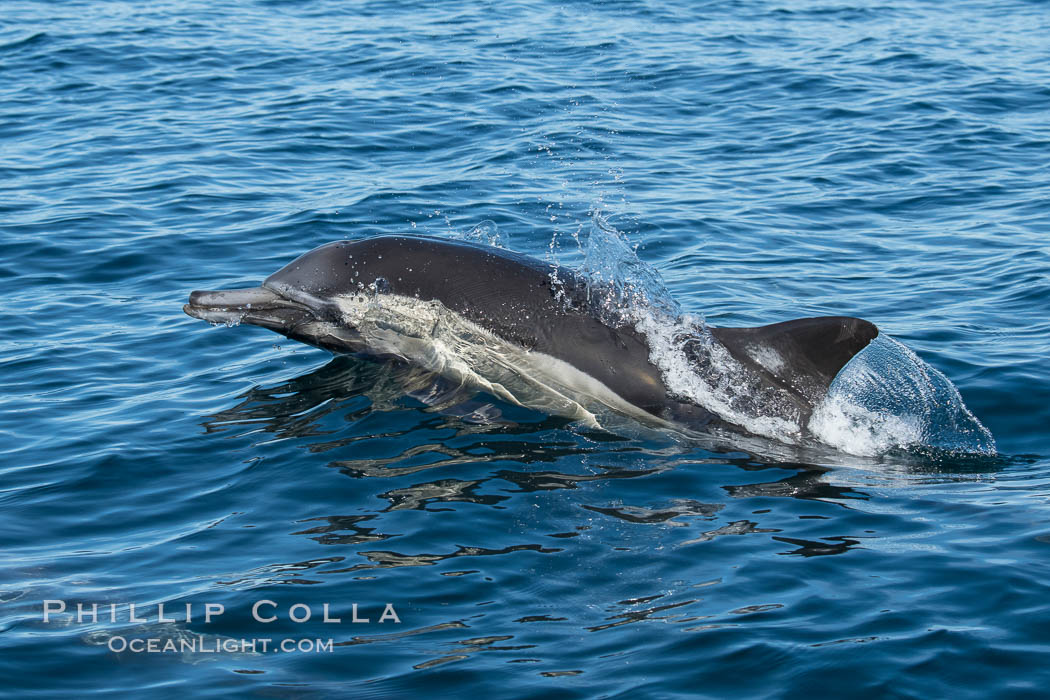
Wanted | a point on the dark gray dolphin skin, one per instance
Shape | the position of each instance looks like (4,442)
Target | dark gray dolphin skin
(528,302)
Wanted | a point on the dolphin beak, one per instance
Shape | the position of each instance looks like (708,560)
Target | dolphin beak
(257,306)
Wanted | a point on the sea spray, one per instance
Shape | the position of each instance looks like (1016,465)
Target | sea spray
(484,233)
(887,398)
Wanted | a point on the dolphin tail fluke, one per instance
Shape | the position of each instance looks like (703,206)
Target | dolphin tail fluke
(802,355)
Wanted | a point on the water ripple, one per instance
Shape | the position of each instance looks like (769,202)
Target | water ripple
(770,160)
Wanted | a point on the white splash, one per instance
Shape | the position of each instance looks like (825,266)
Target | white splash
(624,290)
(887,398)
(697,368)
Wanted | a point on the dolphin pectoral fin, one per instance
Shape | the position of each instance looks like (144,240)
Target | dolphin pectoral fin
(803,355)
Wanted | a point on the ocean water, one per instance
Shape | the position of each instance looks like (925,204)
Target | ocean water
(757,161)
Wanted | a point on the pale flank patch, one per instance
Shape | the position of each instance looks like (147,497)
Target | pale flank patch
(431,336)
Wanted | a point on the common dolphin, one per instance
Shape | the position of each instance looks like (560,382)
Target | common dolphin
(517,327)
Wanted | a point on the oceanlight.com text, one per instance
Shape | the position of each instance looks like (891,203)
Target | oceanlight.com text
(199,644)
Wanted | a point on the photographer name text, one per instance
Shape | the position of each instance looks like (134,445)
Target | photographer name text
(264,611)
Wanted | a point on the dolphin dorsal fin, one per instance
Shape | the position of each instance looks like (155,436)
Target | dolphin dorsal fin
(802,355)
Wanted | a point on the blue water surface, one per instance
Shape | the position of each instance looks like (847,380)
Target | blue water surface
(772,160)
